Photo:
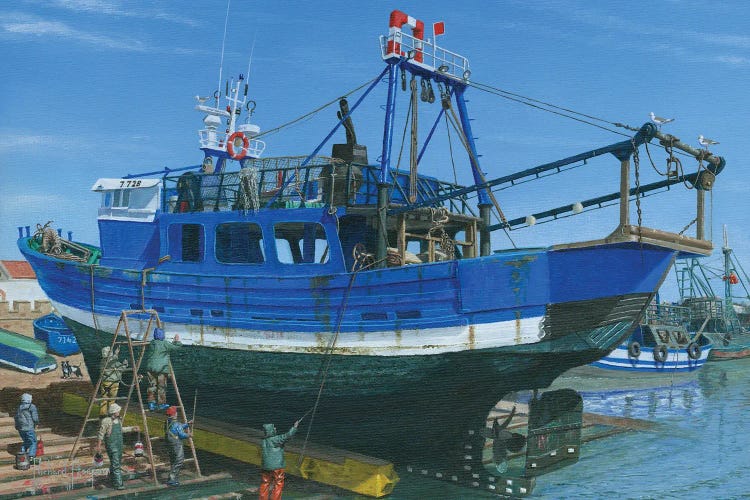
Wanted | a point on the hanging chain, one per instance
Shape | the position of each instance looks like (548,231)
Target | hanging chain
(439,218)
(636,164)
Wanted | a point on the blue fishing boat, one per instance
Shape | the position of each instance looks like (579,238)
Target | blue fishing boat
(24,353)
(661,344)
(365,292)
(722,323)
(58,337)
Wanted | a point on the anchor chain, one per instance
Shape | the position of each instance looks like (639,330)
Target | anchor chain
(636,165)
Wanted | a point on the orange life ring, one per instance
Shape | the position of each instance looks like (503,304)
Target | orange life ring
(231,145)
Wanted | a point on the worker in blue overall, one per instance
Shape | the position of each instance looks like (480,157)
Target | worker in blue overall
(175,432)
(110,432)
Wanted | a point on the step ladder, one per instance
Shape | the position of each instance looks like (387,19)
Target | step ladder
(125,336)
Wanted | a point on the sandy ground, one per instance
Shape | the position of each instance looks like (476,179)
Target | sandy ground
(15,378)
(45,388)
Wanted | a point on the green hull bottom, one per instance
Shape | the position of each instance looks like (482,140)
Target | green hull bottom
(405,409)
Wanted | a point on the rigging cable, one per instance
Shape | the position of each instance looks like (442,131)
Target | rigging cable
(465,142)
(529,102)
(317,110)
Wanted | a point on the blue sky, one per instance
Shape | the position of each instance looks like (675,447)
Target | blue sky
(95,88)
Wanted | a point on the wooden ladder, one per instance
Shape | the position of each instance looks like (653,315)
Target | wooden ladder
(140,340)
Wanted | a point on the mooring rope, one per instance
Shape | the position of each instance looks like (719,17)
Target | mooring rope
(326,364)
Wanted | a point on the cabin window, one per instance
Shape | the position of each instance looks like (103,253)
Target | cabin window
(187,241)
(239,243)
(121,198)
(301,243)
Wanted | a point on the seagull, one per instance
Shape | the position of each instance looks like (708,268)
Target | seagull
(705,141)
(659,120)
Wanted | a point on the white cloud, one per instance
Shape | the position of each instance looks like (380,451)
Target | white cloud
(733,60)
(15,142)
(688,45)
(115,8)
(21,25)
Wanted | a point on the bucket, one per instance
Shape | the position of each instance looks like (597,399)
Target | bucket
(39,448)
(138,449)
(98,460)
(22,461)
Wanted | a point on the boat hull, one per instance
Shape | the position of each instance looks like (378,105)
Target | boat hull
(405,409)
(677,361)
(25,354)
(53,331)
(415,355)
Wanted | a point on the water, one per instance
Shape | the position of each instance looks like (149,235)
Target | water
(699,447)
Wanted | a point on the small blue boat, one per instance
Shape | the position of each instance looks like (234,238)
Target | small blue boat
(53,331)
(660,344)
(24,353)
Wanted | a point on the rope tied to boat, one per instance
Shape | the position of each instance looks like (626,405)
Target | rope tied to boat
(326,364)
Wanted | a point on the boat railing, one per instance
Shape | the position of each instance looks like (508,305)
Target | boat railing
(721,316)
(290,182)
(667,314)
(424,53)
(218,140)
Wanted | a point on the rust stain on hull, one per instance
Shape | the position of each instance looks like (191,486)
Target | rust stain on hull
(518,327)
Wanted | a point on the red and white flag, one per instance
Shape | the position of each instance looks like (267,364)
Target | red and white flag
(438,28)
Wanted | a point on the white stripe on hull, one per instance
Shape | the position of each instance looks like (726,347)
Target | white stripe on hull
(405,342)
(677,360)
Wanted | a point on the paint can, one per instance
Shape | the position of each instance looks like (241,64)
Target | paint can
(22,461)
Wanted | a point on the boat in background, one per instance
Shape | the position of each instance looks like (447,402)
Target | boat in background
(717,315)
(660,344)
(59,338)
(24,353)
(366,293)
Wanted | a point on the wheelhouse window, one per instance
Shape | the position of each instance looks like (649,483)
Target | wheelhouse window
(121,198)
(187,241)
(301,243)
(239,243)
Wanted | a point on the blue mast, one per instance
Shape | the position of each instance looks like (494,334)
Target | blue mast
(485,243)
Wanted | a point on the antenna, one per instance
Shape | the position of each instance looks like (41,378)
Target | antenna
(223,41)
(250,61)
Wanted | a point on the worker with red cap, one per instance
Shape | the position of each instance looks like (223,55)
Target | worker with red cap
(175,432)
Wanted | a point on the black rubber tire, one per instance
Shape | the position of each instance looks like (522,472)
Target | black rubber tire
(693,350)
(660,353)
(634,349)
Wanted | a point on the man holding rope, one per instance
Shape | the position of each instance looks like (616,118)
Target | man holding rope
(272,475)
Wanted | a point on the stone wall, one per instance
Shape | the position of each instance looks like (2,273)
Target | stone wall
(19,317)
